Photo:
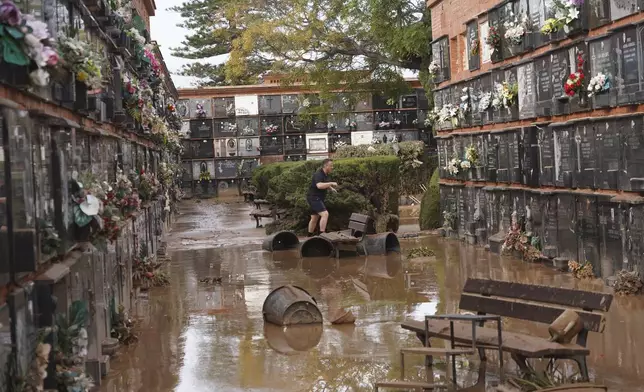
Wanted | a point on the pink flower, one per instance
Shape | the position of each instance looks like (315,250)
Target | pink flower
(50,54)
(9,13)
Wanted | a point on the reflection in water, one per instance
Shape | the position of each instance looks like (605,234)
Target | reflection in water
(199,337)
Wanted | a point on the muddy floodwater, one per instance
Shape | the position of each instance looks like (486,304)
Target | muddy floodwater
(200,336)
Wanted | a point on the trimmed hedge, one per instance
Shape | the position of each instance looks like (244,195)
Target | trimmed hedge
(365,186)
(264,173)
(430,205)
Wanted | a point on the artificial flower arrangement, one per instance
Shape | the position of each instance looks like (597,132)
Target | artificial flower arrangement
(204,176)
(151,58)
(391,101)
(472,154)
(123,9)
(134,34)
(434,68)
(148,186)
(575,82)
(306,102)
(449,112)
(565,12)
(352,125)
(432,118)
(493,39)
(453,166)
(465,106)
(598,84)
(515,29)
(24,40)
(247,131)
(84,60)
(125,198)
(485,100)
(271,129)
(384,125)
(87,205)
(505,95)
(339,144)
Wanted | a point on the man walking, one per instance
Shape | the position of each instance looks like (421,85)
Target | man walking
(316,195)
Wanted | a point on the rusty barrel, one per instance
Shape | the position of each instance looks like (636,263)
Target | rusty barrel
(282,240)
(383,266)
(288,305)
(317,247)
(379,244)
(294,338)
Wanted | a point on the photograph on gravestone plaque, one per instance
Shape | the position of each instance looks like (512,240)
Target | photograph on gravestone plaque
(567,231)
(271,125)
(598,13)
(610,226)
(543,86)
(224,107)
(608,145)
(473,46)
(559,71)
(635,241)
(588,223)
(270,104)
(201,129)
(632,160)
(503,159)
(586,155)
(530,157)
(623,8)
(563,134)
(546,155)
(602,61)
(527,86)
(290,103)
(200,108)
(515,152)
(627,75)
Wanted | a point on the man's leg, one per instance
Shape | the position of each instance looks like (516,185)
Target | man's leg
(312,223)
(324,218)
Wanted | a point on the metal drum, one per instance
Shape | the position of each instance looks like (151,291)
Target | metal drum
(288,305)
(379,244)
(282,240)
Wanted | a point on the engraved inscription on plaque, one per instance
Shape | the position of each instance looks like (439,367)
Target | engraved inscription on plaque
(627,77)
(585,155)
(564,163)
(588,224)
(602,59)
(567,226)
(544,86)
(608,143)
(527,97)
(224,107)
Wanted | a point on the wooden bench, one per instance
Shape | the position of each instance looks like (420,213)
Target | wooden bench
(261,202)
(272,213)
(539,304)
(347,240)
(248,196)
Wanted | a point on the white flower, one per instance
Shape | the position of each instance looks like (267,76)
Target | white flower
(39,77)
(434,68)
(484,101)
(39,28)
(465,165)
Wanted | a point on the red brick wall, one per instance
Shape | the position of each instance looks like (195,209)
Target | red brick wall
(145,8)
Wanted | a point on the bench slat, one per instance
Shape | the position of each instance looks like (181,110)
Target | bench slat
(586,300)
(516,343)
(526,311)
(361,218)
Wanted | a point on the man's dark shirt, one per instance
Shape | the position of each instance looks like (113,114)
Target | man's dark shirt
(319,176)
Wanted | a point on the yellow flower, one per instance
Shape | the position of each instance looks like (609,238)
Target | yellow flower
(81,76)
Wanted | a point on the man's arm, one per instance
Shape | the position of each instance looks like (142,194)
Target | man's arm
(326,185)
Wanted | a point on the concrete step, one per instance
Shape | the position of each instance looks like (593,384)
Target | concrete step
(437,351)
(418,386)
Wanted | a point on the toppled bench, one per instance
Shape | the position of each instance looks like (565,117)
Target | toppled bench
(541,304)
(261,202)
(272,213)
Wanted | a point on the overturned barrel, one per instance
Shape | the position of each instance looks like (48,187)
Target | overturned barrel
(289,305)
(379,244)
(282,240)
(317,247)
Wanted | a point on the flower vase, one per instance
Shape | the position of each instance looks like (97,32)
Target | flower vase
(469,175)
(455,122)
(479,173)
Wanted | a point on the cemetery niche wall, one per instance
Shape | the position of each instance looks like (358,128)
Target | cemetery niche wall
(539,129)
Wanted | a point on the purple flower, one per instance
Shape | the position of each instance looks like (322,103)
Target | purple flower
(576,3)
(9,13)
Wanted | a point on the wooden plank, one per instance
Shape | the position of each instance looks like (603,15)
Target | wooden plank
(339,237)
(516,343)
(261,201)
(358,226)
(360,218)
(586,300)
(526,311)
(262,213)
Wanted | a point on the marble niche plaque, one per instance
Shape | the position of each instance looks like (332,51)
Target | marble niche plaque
(563,135)
(610,226)
(224,107)
(530,168)
(602,59)
(491,156)
(588,231)
(598,13)
(586,155)
(515,152)
(608,147)
(526,79)
(623,8)
(627,75)
(559,72)
(503,158)
(543,96)
(567,231)
(632,171)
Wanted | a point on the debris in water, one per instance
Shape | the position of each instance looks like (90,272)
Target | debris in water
(627,283)
(581,270)
(421,251)
(342,316)
(361,288)
(211,280)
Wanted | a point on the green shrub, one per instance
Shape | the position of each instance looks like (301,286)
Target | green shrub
(365,186)
(264,173)
(430,205)
(414,168)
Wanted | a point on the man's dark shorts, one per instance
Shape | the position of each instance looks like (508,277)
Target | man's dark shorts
(316,204)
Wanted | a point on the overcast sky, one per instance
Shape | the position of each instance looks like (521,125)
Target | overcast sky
(168,35)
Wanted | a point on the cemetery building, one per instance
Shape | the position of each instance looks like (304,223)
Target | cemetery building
(89,155)
(230,130)
(539,121)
